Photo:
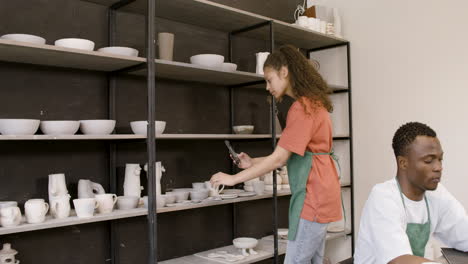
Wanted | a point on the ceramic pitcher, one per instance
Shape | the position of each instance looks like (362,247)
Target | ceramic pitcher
(87,189)
(261,58)
(57,185)
(60,206)
(132,186)
(159,170)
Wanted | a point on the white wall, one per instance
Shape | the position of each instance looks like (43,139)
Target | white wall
(409,63)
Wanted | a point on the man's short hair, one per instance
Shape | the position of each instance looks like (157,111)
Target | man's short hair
(407,133)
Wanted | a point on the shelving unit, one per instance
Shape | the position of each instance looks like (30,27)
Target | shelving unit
(195,12)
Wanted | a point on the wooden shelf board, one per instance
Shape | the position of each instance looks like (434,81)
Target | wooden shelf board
(49,55)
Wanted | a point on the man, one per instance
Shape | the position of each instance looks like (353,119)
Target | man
(401,214)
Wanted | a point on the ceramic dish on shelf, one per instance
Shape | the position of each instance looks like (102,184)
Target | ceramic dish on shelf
(140,127)
(97,127)
(232,191)
(19,126)
(246,244)
(228,196)
(230,67)
(124,51)
(208,60)
(246,129)
(248,188)
(25,38)
(59,127)
(75,43)
(246,194)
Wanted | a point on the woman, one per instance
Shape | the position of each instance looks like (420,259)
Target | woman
(305,145)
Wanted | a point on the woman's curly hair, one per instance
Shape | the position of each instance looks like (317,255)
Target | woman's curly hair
(304,79)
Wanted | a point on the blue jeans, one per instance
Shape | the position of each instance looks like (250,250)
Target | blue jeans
(309,246)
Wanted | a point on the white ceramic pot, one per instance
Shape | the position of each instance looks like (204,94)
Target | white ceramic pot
(123,51)
(88,189)
(19,126)
(59,127)
(97,127)
(132,185)
(127,202)
(230,67)
(208,60)
(247,129)
(141,127)
(25,38)
(75,43)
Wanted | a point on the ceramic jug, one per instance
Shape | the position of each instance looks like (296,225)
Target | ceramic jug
(7,255)
(159,170)
(261,58)
(132,185)
(60,206)
(87,189)
(10,216)
(57,185)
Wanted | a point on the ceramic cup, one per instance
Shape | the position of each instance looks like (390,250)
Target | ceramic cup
(60,206)
(259,187)
(214,191)
(311,23)
(302,21)
(10,216)
(106,202)
(5,204)
(127,202)
(84,207)
(198,186)
(166,46)
(36,210)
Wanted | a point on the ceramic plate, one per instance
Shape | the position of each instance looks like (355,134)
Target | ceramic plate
(232,191)
(335,229)
(246,194)
(228,196)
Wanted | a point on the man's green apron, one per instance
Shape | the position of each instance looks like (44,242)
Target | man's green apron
(298,172)
(418,234)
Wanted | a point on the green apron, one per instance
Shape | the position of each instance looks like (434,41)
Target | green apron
(418,234)
(298,172)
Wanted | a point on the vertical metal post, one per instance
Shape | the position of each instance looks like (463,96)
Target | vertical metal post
(151,141)
(273,144)
(112,83)
(348,57)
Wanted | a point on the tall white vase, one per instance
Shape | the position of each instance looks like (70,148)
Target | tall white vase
(132,186)
(159,170)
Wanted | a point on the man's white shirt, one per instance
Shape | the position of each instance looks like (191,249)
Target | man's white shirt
(382,233)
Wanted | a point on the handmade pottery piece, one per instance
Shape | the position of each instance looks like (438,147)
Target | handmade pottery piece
(35,210)
(132,185)
(7,255)
(106,202)
(60,206)
(246,244)
(57,185)
(10,216)
(84,207)
(88,189)
(159,171)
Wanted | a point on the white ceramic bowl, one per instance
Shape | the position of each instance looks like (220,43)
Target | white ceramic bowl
(180,196)
(127,202)
(248,188)
(25,38)
(169,198)
(198,186)
(247,129)
(75,43)
(19,126)
(140,127)
(97,127)
(124,51)
(269,187)
(199,194)
(230,67)
(245,242)
(208,60)
(59,127)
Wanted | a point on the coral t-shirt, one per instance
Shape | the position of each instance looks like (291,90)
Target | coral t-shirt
(313,132)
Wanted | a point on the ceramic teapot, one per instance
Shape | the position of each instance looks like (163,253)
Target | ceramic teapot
(87,189)
(7,255)
(57,185)
(132,185)
(159,170)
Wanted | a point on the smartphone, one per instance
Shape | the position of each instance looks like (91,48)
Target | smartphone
(232,152)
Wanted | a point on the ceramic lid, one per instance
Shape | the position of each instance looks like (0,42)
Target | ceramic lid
(7,250)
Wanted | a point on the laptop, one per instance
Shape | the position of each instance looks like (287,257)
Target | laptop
(454,256)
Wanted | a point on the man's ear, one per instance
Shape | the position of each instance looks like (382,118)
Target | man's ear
(402,162)
(284,72)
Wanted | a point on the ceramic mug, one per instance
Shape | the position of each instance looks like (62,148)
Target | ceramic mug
(10,216)
(214,191)
(35,210)
(302,21)
(106,202)
(84,207)
(166,46)
(60,206)
(197,186)
(5,204)
(259,187)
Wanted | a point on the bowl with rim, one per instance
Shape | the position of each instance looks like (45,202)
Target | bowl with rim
(19,126)
(208,60)
(245,242)
(97,126)
(25,38)
(245,129)
(59,127)
(230,67)
(75,43)
(140,127)
(124,51)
